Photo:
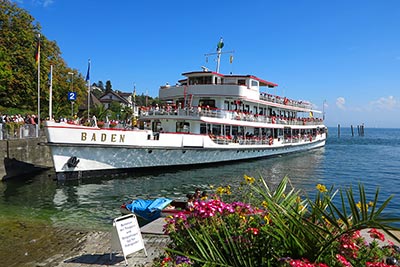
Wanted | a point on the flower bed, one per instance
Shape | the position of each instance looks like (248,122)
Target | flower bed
(280,228)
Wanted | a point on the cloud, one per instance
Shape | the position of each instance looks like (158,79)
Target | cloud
(385,103)
(43,3)
(340,102)
(46,3)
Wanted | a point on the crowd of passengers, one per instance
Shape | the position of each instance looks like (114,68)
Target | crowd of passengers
(236,114)
(18,118)
(250,138)
(284,100)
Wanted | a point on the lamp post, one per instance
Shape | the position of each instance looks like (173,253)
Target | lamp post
(72,89)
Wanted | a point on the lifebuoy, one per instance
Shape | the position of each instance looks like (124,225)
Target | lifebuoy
(273,120)
(310,138)
(285,101)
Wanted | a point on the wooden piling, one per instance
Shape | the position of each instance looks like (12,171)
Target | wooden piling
(352,131)
(338,130)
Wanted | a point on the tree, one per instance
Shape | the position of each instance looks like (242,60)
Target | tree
(18,67)
(101,85)
(99,111)
(108,86)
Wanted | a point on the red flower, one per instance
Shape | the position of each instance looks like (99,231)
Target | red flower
(253,230)
(342,260)
(376,234)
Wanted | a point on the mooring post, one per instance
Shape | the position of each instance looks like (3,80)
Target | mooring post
(338,130)
(352,131)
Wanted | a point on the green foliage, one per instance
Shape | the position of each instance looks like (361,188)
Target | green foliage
(108,86)
(282,227)
(99,111)
(18,68)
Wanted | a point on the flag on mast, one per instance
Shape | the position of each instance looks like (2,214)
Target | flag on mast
(220,45)
(88,85)
(88,72)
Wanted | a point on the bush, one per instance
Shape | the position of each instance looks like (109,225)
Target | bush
(281,228)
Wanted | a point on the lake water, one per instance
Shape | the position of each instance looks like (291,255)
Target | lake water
(373,160)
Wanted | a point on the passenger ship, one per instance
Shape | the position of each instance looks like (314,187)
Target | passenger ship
(207,117)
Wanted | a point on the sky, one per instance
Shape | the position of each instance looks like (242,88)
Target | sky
(343,56)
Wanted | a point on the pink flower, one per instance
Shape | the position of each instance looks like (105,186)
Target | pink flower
(376,234)
(342,260)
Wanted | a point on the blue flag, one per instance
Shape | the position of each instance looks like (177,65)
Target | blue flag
(49,81)
(88,72)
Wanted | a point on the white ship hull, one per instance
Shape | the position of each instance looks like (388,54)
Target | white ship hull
(98,149)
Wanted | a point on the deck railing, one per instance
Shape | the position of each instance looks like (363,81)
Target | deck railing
(230,115)
(18,131)
(242,140)
(285,101)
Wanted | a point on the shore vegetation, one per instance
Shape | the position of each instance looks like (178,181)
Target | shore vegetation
(282,226)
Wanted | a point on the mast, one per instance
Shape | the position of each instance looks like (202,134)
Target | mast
(219,52)
(220,45)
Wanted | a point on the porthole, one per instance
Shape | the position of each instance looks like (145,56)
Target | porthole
(150,151)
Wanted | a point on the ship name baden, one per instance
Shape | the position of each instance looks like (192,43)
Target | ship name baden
(103,137)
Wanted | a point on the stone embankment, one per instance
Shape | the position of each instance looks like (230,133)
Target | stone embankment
(23,156)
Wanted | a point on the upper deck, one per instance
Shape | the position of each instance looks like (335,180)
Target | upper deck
(241,87)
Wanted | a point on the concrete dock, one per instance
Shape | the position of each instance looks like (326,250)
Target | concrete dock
(95,248)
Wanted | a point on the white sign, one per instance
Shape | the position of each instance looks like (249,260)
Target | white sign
(129,235)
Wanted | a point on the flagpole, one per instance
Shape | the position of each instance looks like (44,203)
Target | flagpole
(51,94)
(38,82)
(88,100)
(88,85)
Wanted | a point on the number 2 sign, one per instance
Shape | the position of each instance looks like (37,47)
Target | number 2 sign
(71,96)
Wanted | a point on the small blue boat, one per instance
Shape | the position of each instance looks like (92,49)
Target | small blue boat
(149,209)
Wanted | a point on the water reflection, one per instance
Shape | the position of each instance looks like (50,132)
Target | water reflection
(93,203)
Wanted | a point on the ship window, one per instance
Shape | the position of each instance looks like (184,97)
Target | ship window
(200,80)
(227,130)
(182,127)
(226,105)
(216,129)
(234,130)
(207,102)
(241,82)
(254,83)
(179,103)
(203,128)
